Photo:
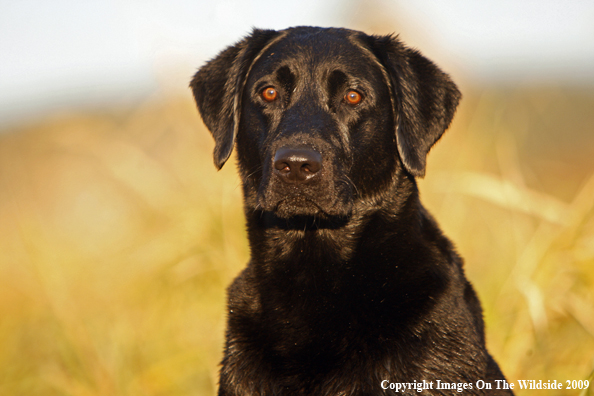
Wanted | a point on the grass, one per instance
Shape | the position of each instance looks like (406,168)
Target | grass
(118,238)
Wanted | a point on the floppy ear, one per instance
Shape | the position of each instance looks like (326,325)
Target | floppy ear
(218,86)
(424,99)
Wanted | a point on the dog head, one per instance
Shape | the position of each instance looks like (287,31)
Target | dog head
(322,118)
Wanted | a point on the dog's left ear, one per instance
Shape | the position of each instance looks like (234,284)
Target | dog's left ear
(218,86)
(424,99)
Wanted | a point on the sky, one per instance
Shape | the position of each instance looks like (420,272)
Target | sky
(63,53)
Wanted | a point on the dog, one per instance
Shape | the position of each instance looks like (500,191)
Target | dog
(352,289)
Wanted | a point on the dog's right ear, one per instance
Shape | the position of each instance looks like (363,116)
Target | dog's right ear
(218,86)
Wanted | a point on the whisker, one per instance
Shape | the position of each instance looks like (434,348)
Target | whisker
(346,179)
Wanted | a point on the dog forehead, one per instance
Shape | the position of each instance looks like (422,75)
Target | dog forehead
(316,49)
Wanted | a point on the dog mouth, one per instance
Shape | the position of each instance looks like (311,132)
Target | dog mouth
(298,212)
(297,205)
(300,205)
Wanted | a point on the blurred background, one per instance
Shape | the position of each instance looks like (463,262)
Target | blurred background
(118,237)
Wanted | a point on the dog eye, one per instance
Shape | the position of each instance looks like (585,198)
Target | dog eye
(269,94)
(353,98)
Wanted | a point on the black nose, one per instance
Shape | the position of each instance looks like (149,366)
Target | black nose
(296,165)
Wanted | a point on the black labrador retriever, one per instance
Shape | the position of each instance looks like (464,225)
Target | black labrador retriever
(352,289)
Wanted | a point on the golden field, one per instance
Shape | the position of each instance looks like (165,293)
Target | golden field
(118,239)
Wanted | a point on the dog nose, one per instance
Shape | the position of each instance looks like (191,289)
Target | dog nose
(297,165)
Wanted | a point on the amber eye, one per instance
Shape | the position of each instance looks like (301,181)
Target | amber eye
(269,94)
(353,97)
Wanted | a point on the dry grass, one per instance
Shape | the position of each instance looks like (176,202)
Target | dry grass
(118,238)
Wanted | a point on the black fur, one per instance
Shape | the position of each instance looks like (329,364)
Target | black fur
(350,282)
